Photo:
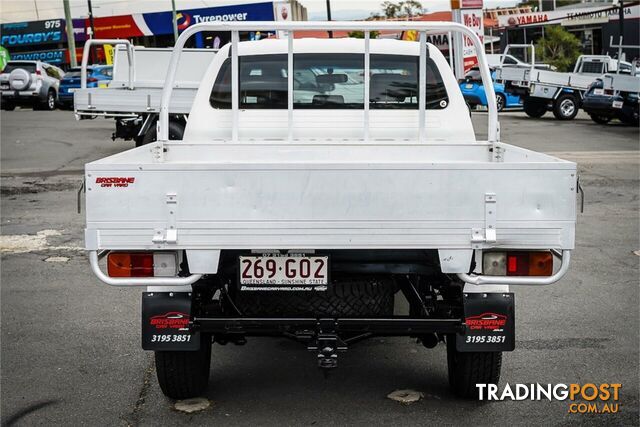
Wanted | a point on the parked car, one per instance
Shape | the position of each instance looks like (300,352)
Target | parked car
(604,104)
(97,76)
(33,83)
(473,91)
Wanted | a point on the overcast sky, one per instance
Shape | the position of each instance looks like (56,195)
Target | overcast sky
(31,10)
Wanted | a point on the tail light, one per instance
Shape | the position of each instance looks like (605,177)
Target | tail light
(38,72)
(142,264)
(92,80)
(517,263)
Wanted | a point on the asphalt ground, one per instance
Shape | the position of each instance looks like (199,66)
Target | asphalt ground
(70,349)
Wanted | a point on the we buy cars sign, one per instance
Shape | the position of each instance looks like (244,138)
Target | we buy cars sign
(471,18)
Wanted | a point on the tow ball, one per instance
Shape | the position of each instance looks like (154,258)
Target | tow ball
(327,346)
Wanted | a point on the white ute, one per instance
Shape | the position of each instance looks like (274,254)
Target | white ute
(329,191)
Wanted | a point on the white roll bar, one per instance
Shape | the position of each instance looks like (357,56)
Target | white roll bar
(94,259)
(114,42)
(520,280)
(523,46)
(366,27)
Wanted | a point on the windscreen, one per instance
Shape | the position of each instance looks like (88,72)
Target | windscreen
(329,81)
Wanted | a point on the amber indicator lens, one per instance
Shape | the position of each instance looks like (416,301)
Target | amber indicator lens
(130,264)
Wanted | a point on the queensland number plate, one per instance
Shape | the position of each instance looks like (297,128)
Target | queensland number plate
(598,91)
(71,89)
(490,322)
(272,272)
(617,104)
(165,322)
(469,86)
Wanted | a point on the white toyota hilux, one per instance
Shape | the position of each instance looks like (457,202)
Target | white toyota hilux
(329,191)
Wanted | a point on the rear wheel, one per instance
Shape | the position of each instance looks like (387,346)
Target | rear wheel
(8,105)
(176,131)
(501,101)
(565,107)
(534,107)
(468,369)
(602,120)
(184,374)
(632,119)
(49,102)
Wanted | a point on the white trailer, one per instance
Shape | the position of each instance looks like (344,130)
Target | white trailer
(542,90)
(317,182)
(133,96)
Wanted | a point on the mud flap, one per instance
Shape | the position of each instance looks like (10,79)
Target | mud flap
(489,322)
(165,322)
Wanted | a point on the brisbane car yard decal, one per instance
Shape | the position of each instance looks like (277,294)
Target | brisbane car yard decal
(115,181)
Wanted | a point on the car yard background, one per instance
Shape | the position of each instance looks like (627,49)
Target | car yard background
(70,345)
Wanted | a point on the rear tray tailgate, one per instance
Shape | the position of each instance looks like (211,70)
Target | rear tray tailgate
(286,196)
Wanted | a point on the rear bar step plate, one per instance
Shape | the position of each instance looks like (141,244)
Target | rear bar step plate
(379,326)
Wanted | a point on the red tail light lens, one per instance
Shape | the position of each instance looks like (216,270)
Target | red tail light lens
(38,72)
(130,264)
(92,80)
(518,263)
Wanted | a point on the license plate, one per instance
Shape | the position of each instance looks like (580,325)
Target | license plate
(617,104)
(598,91)
(165,322)
(71,90)
(490,322)
(272,272)
(469,86)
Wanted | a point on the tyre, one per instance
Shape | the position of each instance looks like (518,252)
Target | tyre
(468,369)
(534,107)
(184,374)
(359,296)
(49,103)
(565,107)
(501,101)
(176,130)
(8,105)
(601,120)
(632,119)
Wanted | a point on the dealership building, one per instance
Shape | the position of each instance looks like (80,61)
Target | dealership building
(47,40)
(593,25)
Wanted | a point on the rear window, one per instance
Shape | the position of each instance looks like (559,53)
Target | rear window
(329,81)
(28,66)
(593,67)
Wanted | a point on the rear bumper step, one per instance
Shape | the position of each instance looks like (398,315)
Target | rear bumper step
(393,326)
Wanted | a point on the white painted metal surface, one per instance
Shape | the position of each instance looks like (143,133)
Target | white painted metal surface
(306,124)
(138,78)
(367,27)
(621,83)
(323,192)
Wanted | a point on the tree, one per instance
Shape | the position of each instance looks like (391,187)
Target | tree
(410,7)
(558,47)
(390,9)
(360,34)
